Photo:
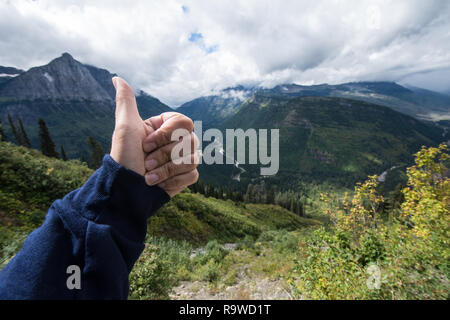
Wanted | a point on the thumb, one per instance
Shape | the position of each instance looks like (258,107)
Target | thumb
(126,107)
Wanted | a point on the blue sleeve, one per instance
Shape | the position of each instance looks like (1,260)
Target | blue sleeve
(99,228)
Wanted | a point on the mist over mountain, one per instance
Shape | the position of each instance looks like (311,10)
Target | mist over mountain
(215,109)
(413,101)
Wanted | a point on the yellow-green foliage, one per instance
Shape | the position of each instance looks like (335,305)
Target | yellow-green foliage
(409,255)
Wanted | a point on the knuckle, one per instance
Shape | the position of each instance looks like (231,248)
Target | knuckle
(165,136)
(185,122)
(170,169)
(124,98)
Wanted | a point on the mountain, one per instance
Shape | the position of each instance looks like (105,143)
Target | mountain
(7,73)
(215,109)
(64,79)
(329,139)
(416,102)
(76,101)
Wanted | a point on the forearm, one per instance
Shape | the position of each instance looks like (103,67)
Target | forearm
(100,228)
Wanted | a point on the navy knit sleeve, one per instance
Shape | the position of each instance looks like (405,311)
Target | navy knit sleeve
(99,228)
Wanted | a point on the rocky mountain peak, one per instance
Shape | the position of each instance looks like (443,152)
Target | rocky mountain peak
(63,78)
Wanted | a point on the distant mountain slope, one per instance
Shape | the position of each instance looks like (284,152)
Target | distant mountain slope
(215,109)
(150,106)
(332,139)
(75,100)
(7,73)
(416,102)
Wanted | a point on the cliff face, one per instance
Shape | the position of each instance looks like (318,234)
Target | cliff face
(63,78)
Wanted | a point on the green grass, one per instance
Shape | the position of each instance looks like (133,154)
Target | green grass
(198,219)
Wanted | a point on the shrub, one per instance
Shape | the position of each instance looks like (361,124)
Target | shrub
(150,278)
(410,254)
(210,271)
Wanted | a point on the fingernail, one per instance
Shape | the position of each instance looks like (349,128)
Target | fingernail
(151,164)
(114,81)
(151,178)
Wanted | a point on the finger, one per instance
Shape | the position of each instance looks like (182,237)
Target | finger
(170,169)
(126,107)
(157,121)
(163,134)
(167,153)
(177,183)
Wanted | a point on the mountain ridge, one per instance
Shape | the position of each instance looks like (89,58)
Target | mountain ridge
(417,102)
(76,101)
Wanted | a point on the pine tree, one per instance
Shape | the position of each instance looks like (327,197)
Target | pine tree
(23,135)
(229,193)
(96,153)
(201,188)
(83,159)
(63,154)
(3,135)
(300,209)
(220,193)
(292,206)
(249,195)
(193,188)
(14,131)
(270,196)
(46,142)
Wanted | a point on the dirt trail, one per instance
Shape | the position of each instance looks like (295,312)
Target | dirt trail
(253,289)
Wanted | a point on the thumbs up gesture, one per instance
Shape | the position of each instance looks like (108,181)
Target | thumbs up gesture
(146,146)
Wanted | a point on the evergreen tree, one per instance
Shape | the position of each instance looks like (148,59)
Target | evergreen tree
(200,187)
(83,159)
(3,135)
(300,209)
(220,193)
(193,187)
(14,131)
(23,135)
(96,153)
(270,196)
(207,190)
(292,206)
(238,196)
(46,142)
(249,195)
(229,194)
(63,154)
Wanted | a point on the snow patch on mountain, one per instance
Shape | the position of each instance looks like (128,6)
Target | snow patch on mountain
(48,77)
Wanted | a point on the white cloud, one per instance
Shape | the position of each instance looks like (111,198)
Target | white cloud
(246,42)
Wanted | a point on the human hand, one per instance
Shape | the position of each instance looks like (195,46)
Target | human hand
(129,149)
(171,164)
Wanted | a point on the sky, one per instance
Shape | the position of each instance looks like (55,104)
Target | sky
(180,50)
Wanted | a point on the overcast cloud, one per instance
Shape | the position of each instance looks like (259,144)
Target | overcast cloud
(179,50)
